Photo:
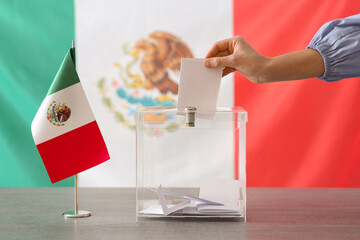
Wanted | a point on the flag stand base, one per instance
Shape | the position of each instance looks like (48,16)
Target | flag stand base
(80,214)
(76,213)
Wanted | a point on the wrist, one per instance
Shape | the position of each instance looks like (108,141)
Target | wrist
(265,73)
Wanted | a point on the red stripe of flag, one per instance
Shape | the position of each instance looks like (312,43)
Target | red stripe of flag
(73,152)
(300,133)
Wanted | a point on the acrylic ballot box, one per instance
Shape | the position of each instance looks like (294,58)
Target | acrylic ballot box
(177,151)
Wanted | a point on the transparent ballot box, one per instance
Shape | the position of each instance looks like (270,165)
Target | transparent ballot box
(190,164)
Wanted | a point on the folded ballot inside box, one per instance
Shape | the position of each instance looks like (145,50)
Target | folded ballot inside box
(217,197)
(192,164)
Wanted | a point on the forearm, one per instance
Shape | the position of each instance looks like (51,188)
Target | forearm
(304,64)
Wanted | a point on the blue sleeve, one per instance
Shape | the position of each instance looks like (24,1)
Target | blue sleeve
(338,42)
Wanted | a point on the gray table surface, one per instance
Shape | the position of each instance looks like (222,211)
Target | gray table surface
(272,213)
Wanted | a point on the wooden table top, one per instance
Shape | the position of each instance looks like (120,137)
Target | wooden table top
(272,213)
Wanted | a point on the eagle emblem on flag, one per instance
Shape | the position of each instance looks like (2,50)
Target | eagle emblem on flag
(161,53)
(58,113)
(146,75)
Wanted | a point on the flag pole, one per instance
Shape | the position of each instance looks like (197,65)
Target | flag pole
(76,213)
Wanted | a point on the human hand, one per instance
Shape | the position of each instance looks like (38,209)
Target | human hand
(236,54)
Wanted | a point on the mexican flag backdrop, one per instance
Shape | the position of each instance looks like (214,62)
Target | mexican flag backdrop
(300,134)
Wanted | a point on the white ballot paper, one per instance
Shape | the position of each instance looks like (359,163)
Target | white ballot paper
(225,191)
(225,205)
(198,86)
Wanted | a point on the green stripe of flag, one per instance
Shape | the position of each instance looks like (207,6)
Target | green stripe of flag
(34,37)
(66,75)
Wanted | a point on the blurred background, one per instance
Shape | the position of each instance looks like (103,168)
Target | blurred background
(300,134)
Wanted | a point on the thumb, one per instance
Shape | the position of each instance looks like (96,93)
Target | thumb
(218,62)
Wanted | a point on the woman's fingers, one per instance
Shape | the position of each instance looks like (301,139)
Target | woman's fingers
(218,47)
(228,70)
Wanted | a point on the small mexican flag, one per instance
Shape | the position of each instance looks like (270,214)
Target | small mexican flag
(64,128)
